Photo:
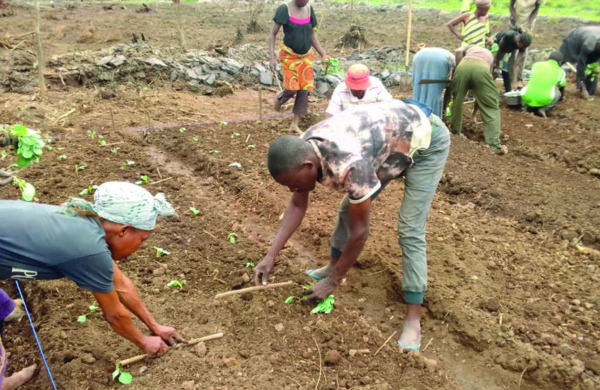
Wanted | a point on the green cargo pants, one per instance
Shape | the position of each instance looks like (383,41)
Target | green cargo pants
(474,75)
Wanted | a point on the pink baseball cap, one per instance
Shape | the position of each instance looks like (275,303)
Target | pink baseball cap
(357,77)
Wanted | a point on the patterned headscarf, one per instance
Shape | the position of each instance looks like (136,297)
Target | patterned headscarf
(126,203)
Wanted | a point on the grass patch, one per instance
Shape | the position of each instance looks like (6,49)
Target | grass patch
(583,9)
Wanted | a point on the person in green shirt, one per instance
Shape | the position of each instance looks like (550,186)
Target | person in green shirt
(546,85)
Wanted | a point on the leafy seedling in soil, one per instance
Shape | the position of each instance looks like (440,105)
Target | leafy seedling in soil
(80,167)
(92,133)
(234,135)
(27,189)
(49,148)
(101,142)
(195,211)
(235,165)
(83,317)
(214,151)
(127,163)
(30,145)
(251,146)
(88,190)
(182,130)
(115,149)
(3,154)
(62,157)
(231,237)
(250,264)
(289,299)
(324,306)
(144,180)
(195,139)
(123,376)
(176,283)
(223,123)
(160,252)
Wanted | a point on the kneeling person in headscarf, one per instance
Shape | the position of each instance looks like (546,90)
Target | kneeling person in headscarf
(546,85)
(79,241)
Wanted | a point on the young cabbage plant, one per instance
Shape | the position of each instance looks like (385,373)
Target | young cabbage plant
(177,283)
(27,189)
(324,306)
(182,130)
(80,167)
(30,145)
(231,237)
(160,252)
(195,211)
(89,190)
(144,179)
(250,264)
(123,376)
(62,157)
(83,317)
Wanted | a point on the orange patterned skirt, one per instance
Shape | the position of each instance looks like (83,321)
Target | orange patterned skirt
(297,69)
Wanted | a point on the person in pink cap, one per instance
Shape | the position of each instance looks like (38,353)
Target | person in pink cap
(359,88)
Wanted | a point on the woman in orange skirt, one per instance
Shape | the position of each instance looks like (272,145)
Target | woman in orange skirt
(299,24)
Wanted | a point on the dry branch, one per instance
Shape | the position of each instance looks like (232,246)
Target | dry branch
(138,358)
(252,289)
(386,341)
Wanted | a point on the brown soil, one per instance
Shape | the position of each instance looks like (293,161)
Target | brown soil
(512,302)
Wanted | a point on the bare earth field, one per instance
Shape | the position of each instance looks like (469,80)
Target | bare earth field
(513,300)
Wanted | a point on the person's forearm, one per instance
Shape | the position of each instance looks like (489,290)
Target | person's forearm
(292,219)
(580,73)
(272,45)
(315,43)
(131,300)
(122,324)
(353,248)
(454,31)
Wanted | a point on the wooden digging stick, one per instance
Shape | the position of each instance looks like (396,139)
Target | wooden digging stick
(138,358)
(254,288)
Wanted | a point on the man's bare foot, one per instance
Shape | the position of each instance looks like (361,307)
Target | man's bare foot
(411,336)
(19,378)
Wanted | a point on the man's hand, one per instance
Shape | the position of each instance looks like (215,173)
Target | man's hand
(273,64)
(263,268)
(154,346)
(322,290)
(168,334)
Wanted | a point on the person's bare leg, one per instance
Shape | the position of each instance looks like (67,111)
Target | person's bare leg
(19,378)
(411,330)
(294,125)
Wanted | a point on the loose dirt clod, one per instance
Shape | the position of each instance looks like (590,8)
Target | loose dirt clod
(332,357)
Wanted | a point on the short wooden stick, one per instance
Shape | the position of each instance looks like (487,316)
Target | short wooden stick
(252,289)
(386,341)
(138,358)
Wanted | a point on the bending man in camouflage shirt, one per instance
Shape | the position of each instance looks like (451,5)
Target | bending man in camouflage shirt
(358,152)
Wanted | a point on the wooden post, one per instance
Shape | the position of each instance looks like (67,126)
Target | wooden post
(40,54)
(260,117)
(180,26)
(409,29)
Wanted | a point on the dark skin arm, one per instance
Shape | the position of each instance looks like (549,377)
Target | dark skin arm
(315,43)
(562,93)
(513,13)
(516,65)
(534,13)
(292,218)
(272,36)
(131,300)
(359,215)
(455,22)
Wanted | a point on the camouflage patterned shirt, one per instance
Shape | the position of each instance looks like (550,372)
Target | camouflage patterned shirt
(367,146)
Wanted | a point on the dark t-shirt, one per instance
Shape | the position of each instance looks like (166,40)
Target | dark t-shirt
(579,47)
(39,241)
(507,41)
(297,33)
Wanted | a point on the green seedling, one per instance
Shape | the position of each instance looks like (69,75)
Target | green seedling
(30,145)
(83,317)
(62,157)
(231,237)
(123,376)
(235,165)
(80,167)
(213,152)
(289,299)
(115,149)
(3,154)
(88,190)
(102,142)
(160,252)
(182,130)
(251,146)
(144,180)
(49,148)
(92,133)
(127,163)
(27,189)
(223,123)
(195,211)
(234,135)
(324,306)
(195,139)
(176,283)
(250,264)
